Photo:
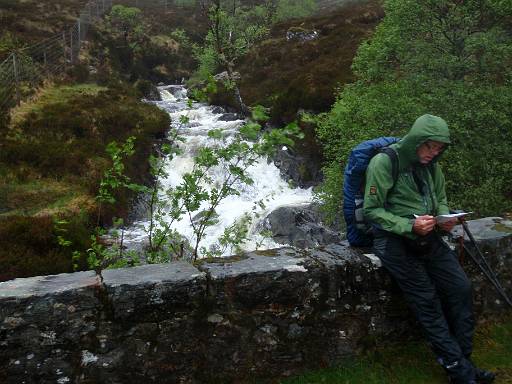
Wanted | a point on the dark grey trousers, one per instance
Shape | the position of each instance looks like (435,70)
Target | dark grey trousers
(436,288)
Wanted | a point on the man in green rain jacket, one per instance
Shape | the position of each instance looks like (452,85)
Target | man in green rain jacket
(402,213)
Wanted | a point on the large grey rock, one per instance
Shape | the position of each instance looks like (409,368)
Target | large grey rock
(153,329)
(494,238)
(223,76)
(300,226)
(139,290)
(266,302)
(44,323)
(273,269)
(303,171)
(301,34)
(229,117)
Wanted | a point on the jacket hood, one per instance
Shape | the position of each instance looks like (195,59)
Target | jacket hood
(426,127)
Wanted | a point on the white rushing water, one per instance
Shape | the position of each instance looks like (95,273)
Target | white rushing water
(268,188)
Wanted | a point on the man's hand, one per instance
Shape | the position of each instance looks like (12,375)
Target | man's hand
(423,224)
(448,225)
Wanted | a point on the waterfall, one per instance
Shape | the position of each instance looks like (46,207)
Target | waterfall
(268,192)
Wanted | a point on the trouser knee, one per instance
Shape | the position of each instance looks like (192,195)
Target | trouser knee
(463,291)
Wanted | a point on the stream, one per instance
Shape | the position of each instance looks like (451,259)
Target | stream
(268,192)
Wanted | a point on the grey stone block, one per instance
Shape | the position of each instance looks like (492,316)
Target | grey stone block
(150,291)
(43,323)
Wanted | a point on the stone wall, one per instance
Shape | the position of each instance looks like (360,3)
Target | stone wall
(261,315)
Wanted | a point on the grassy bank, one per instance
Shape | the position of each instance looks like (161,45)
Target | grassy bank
(414,363)
(52,159)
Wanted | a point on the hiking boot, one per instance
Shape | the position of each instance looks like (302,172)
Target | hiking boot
(484,377)
(460,372)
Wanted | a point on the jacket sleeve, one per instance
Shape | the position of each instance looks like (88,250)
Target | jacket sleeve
(440,191)
(379,180)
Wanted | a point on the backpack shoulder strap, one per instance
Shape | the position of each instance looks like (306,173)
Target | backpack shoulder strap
(432,170)
(393,156)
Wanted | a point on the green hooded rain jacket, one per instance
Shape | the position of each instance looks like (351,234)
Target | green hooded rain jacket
(392,207)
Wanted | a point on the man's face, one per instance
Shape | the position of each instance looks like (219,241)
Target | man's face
(428,150)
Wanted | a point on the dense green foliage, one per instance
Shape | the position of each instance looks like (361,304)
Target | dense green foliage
(448,58)
(29,245)
(235,27)
(64,134)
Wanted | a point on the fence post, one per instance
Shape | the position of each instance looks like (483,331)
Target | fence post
(64,48)
(71,46)
(16,79)
(79,35)
(45,61)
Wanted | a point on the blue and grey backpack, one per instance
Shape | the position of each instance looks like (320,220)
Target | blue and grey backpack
(358,231)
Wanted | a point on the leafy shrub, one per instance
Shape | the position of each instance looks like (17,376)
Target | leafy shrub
(29,247)
(408,69)
(478,122)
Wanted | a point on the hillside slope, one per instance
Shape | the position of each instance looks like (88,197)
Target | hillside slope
(292,74)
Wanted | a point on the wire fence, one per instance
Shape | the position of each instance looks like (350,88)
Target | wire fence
(25,69)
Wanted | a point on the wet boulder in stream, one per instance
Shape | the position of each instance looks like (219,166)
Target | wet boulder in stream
(302,170)
(300,226)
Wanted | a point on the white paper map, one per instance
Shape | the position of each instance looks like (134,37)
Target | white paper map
(443,218)
(448,217)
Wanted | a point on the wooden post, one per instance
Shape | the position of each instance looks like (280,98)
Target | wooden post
(79,35)
(71,46)
(16,79)
(64,47)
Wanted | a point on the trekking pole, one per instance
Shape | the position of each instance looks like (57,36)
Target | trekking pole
(483,264)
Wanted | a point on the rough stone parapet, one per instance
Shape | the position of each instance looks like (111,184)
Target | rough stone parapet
(259,315)
(45,322)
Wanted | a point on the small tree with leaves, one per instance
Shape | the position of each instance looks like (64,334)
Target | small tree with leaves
(233,30)
(197,199)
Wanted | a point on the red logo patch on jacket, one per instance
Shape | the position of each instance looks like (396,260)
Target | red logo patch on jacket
(373,190)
